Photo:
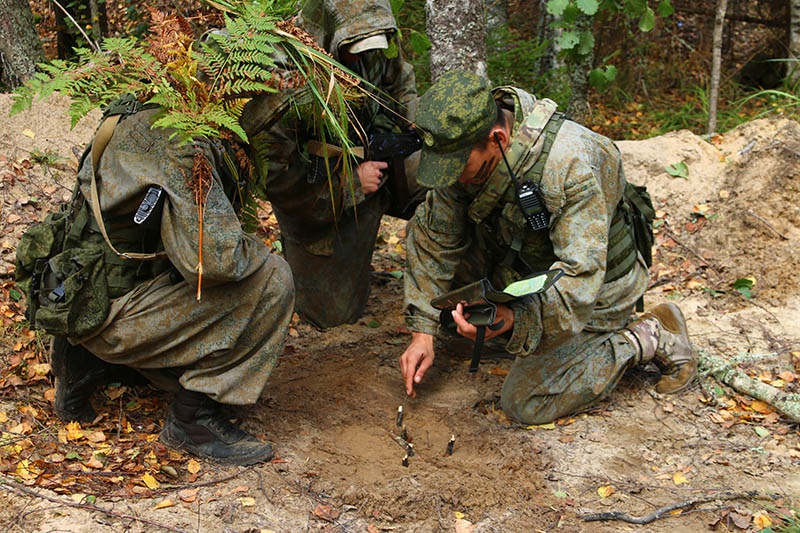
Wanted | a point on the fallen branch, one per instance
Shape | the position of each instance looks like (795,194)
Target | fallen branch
(11,486)
(660,512)
(785,403)
(768,225)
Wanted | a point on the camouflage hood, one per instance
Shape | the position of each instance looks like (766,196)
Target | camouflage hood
(336,23)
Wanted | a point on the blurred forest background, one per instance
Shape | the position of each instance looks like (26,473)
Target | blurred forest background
(630,69)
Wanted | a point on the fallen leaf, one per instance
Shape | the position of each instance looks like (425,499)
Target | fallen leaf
(762,521)
(96,436)
(551,425)
(678,478)
(150,482)
(188,495)
(74,431)
(459,515)
(29,133)
(193,466)
(326,512)
(605,491)
(464,526)
(163,504)
(94,462)
(247,501)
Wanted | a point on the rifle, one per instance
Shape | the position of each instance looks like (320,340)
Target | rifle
(394,148)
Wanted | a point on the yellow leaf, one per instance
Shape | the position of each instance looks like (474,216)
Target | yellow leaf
(761,407)
(459,515)
(605,491)
(150,482)
(551,425)
(762,521)
(25,470)
(40,369)
(247,501)
(193,466)
(62,436)
(678,478)
(3,417)
(74,431)
(163,504)
(28,133)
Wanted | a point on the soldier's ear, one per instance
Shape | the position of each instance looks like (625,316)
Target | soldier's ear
(499,135)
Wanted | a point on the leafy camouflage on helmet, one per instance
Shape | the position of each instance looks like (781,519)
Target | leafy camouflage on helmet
(456,113)
(337,23)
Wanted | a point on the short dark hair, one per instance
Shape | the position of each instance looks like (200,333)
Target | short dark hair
(501,120)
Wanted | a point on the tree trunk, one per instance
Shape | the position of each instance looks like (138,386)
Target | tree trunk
(716,62)
(578,107)
(457,31)
(545,32)
(794,42)
(496,14)
(20,47)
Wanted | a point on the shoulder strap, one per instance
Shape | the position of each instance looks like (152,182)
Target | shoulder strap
(519,153)
(101,140)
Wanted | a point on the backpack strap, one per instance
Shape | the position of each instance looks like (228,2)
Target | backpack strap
(534,124)
(101,139)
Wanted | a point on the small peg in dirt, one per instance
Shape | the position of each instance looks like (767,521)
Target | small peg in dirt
(450,445)
(405,461)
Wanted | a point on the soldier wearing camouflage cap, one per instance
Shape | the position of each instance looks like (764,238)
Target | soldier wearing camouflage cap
(573,341)
(329,214)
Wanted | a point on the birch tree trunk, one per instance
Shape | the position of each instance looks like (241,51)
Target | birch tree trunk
(716,62)
(794,42)
(457,31)
(20,47)
(578,107)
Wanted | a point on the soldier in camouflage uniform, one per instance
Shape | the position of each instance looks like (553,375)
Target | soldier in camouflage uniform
(329,229)
(218,350)
(574,341)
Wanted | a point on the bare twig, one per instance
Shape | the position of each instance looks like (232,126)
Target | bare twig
(768,225)
(686,247)
(16,488)
(93,44)
(660,512)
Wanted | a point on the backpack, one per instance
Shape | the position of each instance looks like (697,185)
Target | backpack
(70,275)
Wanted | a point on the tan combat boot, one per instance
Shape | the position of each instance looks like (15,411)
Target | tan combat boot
(663,340)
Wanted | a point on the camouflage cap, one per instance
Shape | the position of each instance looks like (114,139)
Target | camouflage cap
(456,113)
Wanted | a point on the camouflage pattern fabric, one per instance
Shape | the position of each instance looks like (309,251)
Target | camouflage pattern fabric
(226,344)
(565,340)
(329,228)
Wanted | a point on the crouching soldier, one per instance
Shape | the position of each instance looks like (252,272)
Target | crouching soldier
(517,190)
(123,291)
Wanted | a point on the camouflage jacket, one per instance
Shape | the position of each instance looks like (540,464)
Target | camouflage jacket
(136,158)
(296,182)
(581,185)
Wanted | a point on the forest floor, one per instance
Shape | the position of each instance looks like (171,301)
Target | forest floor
(727,251)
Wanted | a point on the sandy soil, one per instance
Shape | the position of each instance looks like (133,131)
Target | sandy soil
(331,406)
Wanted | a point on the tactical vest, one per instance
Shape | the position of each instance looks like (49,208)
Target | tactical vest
(518,251)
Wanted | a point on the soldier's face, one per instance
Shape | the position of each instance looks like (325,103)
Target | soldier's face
(480,165)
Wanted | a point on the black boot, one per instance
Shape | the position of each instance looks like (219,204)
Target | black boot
(78,373)
(195,423)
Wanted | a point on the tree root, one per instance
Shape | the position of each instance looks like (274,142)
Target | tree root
(662,511)
(16,488)
(787,404)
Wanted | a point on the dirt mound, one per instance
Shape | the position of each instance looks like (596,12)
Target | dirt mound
(331,404)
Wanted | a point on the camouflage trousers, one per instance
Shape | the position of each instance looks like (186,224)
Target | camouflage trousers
(544,386)
(557,380)
(332,275)
(225,345)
